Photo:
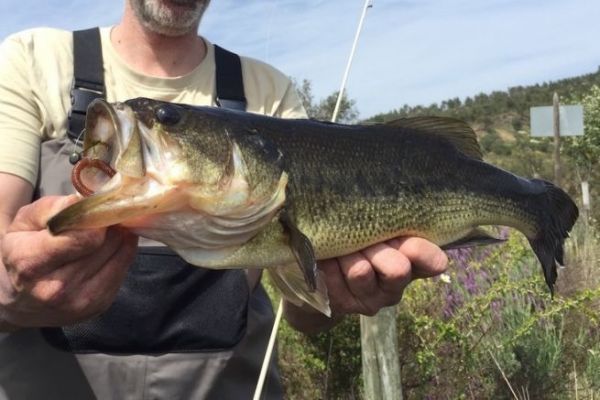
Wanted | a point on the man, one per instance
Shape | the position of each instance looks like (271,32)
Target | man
(84,281)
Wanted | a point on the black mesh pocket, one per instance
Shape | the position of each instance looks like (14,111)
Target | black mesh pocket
(165,305)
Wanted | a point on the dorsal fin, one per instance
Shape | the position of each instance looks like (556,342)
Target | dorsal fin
(457,132)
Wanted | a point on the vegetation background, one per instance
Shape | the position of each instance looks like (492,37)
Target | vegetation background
(488,329)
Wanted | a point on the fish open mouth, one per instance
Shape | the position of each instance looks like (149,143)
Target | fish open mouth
(108,128)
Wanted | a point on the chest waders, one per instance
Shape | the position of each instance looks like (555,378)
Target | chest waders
(165,305)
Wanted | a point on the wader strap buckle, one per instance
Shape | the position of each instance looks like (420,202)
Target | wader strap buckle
(88,77)
(230,84)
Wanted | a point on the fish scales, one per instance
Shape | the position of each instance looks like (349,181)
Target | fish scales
(372,184)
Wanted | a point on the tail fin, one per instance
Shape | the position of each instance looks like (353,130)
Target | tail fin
(557,217)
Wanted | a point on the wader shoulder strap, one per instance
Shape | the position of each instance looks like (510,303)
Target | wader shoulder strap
(88,82)
(230,84)
(88,77)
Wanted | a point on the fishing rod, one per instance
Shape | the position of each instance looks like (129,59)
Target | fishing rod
(368,4)
(269,351)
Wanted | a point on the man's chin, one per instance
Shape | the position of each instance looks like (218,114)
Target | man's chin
(170,30)
(170,17)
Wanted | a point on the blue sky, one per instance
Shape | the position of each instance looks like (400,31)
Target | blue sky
(410,51)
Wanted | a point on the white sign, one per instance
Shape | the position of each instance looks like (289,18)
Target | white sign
(571,121)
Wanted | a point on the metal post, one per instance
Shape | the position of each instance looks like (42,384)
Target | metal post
(336,110)
(556,126)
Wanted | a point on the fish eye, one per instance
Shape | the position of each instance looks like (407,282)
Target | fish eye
(167,114)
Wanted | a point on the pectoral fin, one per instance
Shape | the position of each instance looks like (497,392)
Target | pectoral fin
(477,237)
(300,283)
(302,249)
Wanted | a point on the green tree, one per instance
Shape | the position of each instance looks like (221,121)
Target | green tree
(585,149)
(323,109)
(583,152)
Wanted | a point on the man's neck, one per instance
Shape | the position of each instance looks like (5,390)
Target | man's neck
(154,54)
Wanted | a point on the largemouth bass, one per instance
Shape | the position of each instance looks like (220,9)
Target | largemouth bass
(227,189)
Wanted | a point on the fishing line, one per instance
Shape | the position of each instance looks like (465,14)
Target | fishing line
(368,4)
(270,346)
(75,155)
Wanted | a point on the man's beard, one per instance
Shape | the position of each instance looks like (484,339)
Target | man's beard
(170,17)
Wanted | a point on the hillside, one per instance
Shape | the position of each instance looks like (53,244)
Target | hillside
(500,113)
(501,121)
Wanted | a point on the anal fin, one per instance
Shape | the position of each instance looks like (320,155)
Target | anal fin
(476,237)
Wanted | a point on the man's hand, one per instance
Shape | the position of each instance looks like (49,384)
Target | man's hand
(366,281)
(48,280)
(376,277)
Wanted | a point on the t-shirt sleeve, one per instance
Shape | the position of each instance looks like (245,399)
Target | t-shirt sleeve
(269,91)
(291,105)
(20,120)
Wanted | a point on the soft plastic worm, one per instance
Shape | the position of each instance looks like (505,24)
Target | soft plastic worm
(87,163)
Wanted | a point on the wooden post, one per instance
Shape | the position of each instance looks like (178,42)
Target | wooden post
(556,126)
(585,197)
(380,363)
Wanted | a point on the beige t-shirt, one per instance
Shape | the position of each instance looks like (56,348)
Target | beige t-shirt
(36,73)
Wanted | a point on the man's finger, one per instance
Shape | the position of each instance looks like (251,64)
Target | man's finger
(26,263)
(99,292)
(82,270)
(34,216)
(392,267)
(427,259)
(359,274)
(340,298)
